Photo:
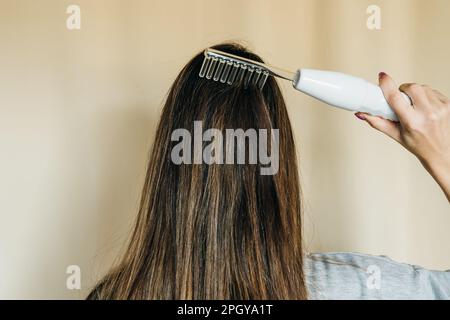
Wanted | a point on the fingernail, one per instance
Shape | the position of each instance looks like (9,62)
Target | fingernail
(360,116)
(381,75)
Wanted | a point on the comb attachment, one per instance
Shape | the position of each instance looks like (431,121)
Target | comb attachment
(232,72)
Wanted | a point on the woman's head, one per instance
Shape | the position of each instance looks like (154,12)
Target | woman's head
(219,230)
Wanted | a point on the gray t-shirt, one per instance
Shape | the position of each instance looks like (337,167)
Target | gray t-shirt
(343,275)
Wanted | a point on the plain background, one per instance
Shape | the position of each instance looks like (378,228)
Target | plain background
(78,111)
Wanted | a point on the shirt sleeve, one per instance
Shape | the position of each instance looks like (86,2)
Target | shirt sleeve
(342,275)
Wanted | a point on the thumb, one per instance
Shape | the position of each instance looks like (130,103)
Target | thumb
(388,127)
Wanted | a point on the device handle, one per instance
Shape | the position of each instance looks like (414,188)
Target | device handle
(345,91)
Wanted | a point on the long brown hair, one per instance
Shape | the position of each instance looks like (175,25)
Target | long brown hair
(217,231)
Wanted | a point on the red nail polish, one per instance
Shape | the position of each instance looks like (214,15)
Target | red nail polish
(381,75)
(360,116)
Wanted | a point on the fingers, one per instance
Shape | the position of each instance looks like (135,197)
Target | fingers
(388,127)
(420,128)
(393,96)
(440,96)
(417,93)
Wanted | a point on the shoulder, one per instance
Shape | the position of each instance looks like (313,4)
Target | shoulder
(347,275)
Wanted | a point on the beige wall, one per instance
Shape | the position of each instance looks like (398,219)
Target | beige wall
(78,111)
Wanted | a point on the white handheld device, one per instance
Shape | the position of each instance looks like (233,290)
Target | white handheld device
(344,91)
(336,89)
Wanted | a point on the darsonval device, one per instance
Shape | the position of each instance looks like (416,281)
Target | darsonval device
(336,89)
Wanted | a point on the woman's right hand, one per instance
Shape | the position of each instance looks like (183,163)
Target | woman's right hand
(423,128)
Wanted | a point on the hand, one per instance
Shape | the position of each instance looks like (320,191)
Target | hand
(423,128)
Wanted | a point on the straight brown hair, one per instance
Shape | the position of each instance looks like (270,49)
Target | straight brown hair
(220,231)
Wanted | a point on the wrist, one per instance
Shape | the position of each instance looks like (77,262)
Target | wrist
(437,166)
(440,171)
